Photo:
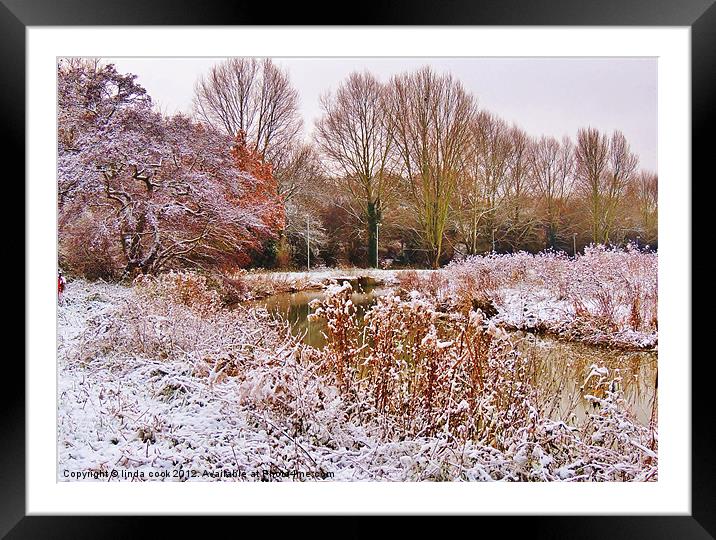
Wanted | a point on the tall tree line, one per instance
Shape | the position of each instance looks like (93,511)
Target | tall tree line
(460,180)
(410,169)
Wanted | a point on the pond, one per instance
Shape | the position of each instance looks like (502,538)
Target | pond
(295,308)
(560,367)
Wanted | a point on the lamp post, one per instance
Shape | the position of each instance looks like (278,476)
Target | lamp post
(574,244)
(377,228)
(308,243)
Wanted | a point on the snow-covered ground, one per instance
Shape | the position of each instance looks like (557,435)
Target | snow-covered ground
(151,388)
(124,417)
(259,284)
(526,307)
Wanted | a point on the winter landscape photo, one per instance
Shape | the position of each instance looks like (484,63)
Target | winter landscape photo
(357,269)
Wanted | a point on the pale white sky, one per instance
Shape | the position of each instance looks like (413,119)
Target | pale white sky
(551,96)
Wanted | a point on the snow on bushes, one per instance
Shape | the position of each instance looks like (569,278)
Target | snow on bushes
(606,296)
(140,192)
(468,383)
(162,378)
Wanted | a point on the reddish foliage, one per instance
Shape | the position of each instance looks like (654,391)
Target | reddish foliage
(149,192)
(263,194)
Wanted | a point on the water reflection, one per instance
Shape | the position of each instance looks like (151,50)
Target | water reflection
(295,308)
(560,370)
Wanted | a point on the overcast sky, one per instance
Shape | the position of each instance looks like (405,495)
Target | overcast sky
(551,96)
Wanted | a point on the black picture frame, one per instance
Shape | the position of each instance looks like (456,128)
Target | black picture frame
(700,15)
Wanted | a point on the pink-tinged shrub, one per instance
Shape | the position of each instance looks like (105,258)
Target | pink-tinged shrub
(164,192)
(182,288)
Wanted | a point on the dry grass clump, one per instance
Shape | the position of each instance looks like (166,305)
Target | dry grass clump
(178,316)
(231,288)
(420,379)
(342,333)
(464,287)
(431,283)
(469,383)
(181,288)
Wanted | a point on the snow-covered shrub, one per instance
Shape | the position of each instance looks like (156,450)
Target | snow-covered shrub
(617,286)
(606,296)
(342,332)
(86,250)
(467,382)
(231,288)
(429,283)
(184,288)
(409,280)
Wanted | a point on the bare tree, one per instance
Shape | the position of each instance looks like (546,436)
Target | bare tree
(295,169)
(645,186)
(253,96)
(622,167)
(485,169)
(430,118)
(552,167)
(299,175)
(605,168)
(355,139)
(592,162)
(519,217)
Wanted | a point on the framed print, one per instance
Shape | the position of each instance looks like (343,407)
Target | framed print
(415,265)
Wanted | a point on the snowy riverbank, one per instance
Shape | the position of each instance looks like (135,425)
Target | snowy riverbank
(158,382)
